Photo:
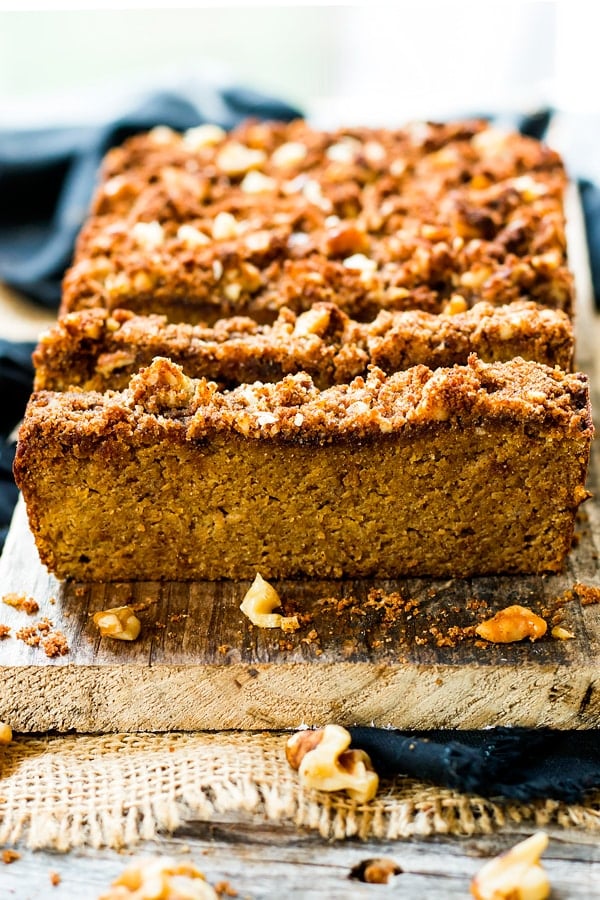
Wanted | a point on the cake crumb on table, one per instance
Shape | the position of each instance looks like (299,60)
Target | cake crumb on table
(10,856)
(587,593)
(224,889)
(29,635)
(54,877)
(21,601)
(55,644)
(4,630)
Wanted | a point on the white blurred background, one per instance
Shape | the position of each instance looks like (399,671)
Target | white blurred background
(375,63)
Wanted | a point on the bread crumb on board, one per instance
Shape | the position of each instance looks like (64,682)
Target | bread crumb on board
(21,601)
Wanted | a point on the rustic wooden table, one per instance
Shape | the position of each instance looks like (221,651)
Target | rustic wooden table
(263,863)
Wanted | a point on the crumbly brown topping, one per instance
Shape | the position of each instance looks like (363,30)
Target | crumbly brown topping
(162,401)
(4,630)
(43,633)
(29,635)
(95,350)
(282,215)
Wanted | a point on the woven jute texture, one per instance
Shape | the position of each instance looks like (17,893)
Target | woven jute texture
(116,790)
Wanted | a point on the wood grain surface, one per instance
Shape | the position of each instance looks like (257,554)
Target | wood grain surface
(264,862)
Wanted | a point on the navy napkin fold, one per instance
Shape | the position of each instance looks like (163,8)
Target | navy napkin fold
(16,378)
(512,763)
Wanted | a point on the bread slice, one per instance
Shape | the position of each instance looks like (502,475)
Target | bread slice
(96,350)
(460,471)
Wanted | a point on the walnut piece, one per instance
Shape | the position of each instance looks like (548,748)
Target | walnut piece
(516,875)
(5,733)
(192,237)
(120,622)
(381,870)
(515,623)
(455,305)
(148,235)
(237,159)
(202,136)
(260,601)
(160,878)
(290,154)
(325,763)
(224,227)
(257,183)
(345,239)
(560,633)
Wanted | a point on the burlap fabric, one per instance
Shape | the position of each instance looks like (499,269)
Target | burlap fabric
(116,790)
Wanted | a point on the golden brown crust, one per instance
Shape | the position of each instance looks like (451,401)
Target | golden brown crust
(94,350)
(163,402)
(434,211)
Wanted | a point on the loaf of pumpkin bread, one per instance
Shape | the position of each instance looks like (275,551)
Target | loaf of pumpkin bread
(459,471)
(322,353)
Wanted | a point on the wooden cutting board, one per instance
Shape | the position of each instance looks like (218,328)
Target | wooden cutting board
(401,661)
(199,664)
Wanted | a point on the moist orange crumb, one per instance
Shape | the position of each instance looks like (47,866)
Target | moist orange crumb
(4,630)
(587,593)
(453,636)
(29,636)
(44,626)
(54,877)
(22,602)
(55,645)
(454,426)
(10,856)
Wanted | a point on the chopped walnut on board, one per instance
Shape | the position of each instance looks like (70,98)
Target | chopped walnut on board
(324,762)
(120,623)
(258,605)
(515,875)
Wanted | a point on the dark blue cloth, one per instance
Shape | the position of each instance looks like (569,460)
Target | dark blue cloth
(512,763)
(16,377)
